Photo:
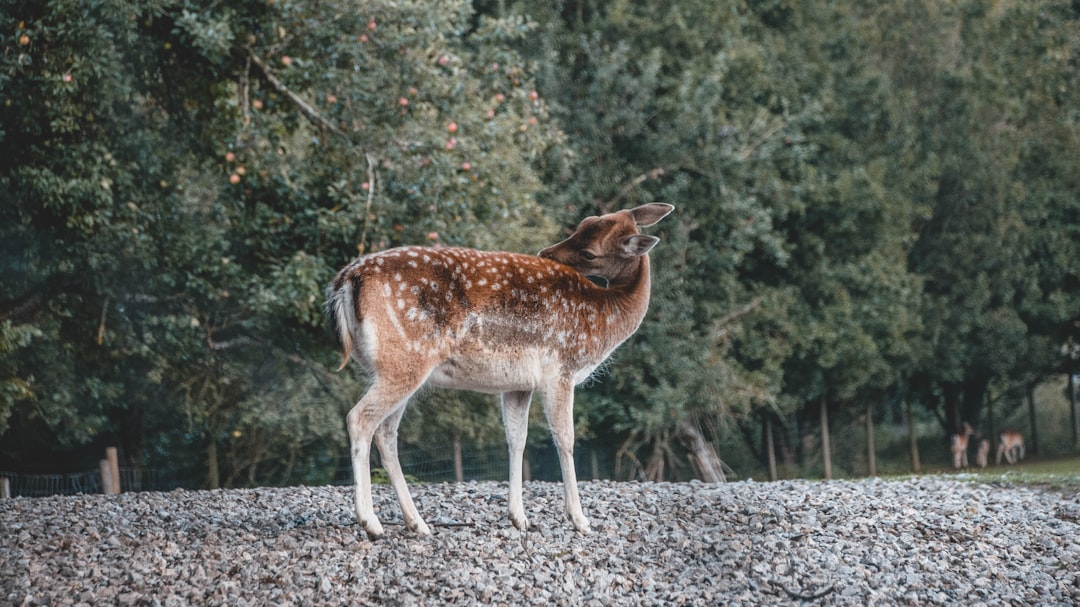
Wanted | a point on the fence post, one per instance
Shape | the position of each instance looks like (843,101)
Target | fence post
(459,464)
(106,477)
(5,487)
(114,469)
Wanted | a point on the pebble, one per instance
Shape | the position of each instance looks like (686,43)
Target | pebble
(928,540)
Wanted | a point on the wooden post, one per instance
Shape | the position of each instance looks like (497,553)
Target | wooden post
(826,450)
(5,487)
(770,448)
(114,469)
(106,477)
(459,464)
(871,456)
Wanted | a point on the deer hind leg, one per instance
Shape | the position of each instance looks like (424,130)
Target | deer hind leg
(515,413)
(386,440)
(377,404)
(559,410)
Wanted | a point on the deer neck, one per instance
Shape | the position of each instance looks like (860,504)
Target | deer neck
(630,296)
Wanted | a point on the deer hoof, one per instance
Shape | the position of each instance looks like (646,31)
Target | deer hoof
(582,525)
(421,528)
(373,528)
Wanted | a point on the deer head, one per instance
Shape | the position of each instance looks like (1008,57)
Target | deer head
(610,246)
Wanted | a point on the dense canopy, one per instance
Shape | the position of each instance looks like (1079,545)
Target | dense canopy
(878,205)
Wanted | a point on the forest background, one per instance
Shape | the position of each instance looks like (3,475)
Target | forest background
(877,225)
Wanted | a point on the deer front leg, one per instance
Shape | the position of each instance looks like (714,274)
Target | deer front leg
(386,440)
(515,412)
(559,410)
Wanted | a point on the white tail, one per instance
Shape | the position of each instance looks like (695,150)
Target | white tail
(959,446)
(1011,445)
(490,322)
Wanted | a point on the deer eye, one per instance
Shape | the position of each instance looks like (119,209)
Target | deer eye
(588,256)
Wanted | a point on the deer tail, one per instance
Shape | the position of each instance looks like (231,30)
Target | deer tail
(342,308)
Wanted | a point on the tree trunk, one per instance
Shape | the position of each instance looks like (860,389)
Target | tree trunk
(871,456)
(950,392)
(770,449)
(1031,419)
(913,440)
(974,397)
(826,451)
(702,454)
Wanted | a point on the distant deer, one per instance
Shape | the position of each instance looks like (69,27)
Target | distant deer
(982,456)
(1011,445)
(959,446)
(489,322)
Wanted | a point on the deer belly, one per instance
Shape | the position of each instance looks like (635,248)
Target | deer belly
(523,371)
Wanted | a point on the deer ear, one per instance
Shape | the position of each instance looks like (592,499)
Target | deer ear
(638,244)
(648,214)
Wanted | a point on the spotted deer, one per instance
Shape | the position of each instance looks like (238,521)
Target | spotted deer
(492,322)
(1011,446)
(958,444)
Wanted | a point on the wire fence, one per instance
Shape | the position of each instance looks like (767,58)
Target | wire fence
(432,465)
(43,485)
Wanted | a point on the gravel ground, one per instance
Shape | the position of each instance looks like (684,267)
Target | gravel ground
(925,541)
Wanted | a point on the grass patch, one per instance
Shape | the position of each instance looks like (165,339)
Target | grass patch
(1059,473)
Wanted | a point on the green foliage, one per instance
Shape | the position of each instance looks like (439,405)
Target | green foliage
(874,202)
(187,177)
(850,227)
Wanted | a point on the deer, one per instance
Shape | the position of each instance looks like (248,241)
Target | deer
(958,443)
(492,322)
(1010,445)
(983,454)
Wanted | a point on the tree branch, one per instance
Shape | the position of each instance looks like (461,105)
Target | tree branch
(370,196)
(312,114)
(630,185)
(753,147)
(27,306)
(719,330)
